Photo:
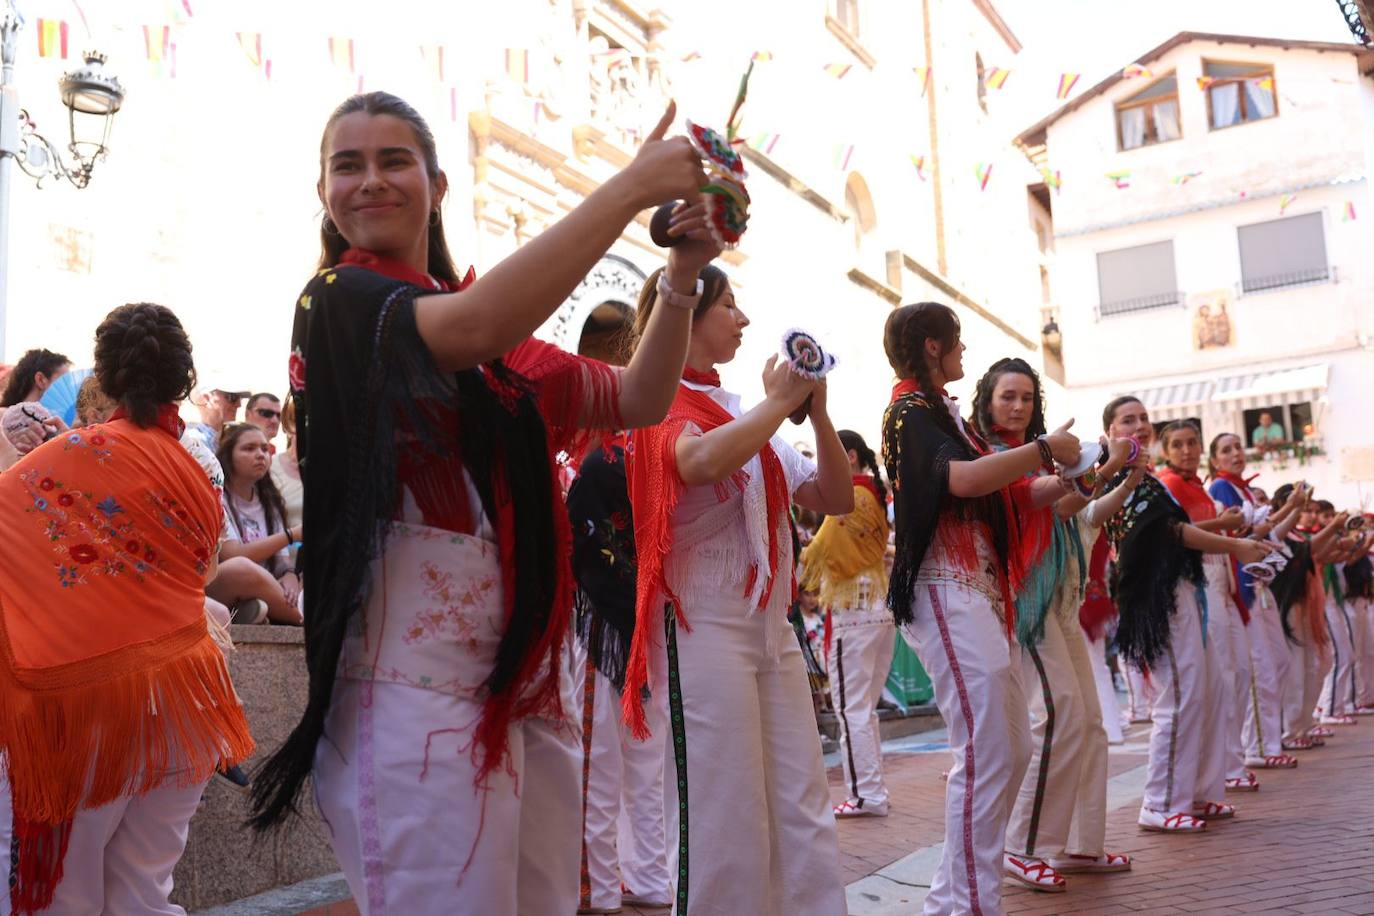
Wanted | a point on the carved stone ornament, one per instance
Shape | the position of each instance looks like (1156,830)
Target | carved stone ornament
(613,279)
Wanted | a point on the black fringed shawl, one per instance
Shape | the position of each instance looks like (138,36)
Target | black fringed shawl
(1359,579)
(604,561)
(371,386)
(920,439)
(1151,562)
(1290,586)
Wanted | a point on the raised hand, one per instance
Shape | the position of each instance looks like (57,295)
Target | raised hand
(1063,444)
(664,170)
(783,386)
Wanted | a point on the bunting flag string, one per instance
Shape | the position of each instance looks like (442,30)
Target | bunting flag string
(1052,179)
(920,163)
(923,76)
(1122,179)
(161,53)
(1349,211)
(843,153)
(1134,71)
(839,71)
(341,53)
(762,56)
(1184,178)
(251,44)
(764,142)
(52,38)
(1066,83)
(983,171)
(433,56)
(995,77)
(1286,201)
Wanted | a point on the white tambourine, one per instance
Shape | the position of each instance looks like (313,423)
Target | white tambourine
(1088,456)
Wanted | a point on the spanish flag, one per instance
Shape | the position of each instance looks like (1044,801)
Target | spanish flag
(52,38)
(157,44)
(1066,83)
(518,64)
(341,53)
(995,77)
(433,56)
(839,71)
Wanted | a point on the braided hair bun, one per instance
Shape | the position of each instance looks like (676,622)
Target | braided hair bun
(143,359)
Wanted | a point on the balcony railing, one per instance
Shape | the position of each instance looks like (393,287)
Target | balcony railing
(1140,304)
(1284,281)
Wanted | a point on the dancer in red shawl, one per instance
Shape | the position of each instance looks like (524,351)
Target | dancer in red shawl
(440,589)
(711,488)
(957,566)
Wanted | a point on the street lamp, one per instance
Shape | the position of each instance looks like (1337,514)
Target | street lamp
(91,96)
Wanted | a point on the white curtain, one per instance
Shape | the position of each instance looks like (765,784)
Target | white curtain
(1132,127)
(1166,120)
(1225,105)
(1258,100)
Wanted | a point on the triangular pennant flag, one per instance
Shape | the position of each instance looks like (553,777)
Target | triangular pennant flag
(433,56)
(764,142)
(983,171)
(1051,179)
(995,77)
(52,38)
(157,46)
(843,153)
(762,56)
(252,45)
(1349,211)
(1066,83)
(1136,70)
(1121,179)
(453,104)
(1205,82)
(923,76)
(839,71)
(691,56)
(1267,83)
(518,64)
(1286,201)
(920,163)
(341,53)
(1184,178)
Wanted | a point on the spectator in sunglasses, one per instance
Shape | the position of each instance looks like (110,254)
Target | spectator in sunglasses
(264,412)
(218,406)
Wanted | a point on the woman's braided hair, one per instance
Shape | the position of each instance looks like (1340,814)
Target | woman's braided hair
(143,359)
(867,459)
(904,339)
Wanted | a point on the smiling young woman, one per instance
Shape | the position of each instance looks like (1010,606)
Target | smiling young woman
(440,587)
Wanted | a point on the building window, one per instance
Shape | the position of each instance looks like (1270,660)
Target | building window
(1150,116)
(846,13)
(1237,93)
(1137,279)
(1283,252)
(1282,430)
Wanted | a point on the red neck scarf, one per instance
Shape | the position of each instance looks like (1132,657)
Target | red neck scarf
(1009,438)
(399,270)
(866,480)
(1187,488)
(655,488)
(911,386)
(697,377)
(167,419)
(1242,484)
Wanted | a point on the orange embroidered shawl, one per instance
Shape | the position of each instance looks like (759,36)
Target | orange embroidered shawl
(109,679)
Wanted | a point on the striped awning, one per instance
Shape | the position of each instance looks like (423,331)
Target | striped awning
(1177,402)
(1274,388)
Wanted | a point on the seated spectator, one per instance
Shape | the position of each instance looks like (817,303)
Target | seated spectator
(92,404)
(286,473)
(31,376)
(218,407)
(256,519)
(264,412)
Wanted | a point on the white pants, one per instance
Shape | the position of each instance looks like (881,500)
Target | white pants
(1304,681)
(1106,690)
(961,640)
(121,855)
(1182,712)
(1230,651)
(1140,693)
(1362,613)
(1338,694)
(1065,786)
(623,838)
(407,824)
(752,828)
(860,657)
(1263,730)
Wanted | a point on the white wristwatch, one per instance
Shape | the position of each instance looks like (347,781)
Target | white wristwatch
(674,298)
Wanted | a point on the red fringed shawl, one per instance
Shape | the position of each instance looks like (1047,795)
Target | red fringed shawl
(655,489)
(1097,609)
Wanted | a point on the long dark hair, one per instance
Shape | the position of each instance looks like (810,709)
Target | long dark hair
(852,441)
(21,376)
(987,385)
(332,242)
(904,340)
(143,359)
(273,506)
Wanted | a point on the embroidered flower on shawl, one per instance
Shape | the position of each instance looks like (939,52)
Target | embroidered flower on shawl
(84,553)
(295,370)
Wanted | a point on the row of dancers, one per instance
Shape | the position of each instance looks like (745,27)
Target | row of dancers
(451,584)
